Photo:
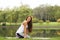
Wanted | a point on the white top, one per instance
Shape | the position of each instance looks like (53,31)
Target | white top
(21,30)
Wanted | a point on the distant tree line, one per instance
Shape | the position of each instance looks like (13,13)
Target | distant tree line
(15,15)
(46,12)
(42,12)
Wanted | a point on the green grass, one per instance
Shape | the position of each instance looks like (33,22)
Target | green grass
(56,38)
(3,38)
(46,24)
(37,24)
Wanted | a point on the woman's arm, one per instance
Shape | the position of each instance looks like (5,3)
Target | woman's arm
(25,32)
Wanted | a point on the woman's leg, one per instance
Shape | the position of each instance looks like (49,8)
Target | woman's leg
(18,35)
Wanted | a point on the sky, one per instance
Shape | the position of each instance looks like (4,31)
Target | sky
(31,3)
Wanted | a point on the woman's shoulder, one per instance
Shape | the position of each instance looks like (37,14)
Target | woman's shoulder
(24,21)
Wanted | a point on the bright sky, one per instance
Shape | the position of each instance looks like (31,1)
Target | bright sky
(31,3)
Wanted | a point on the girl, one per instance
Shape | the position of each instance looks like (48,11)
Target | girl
(25,28)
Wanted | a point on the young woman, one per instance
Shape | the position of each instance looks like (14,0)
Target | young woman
(25,28)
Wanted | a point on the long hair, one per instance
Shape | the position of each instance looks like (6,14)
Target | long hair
(29,24)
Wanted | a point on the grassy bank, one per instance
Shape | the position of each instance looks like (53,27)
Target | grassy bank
(46,24)
(36,24)
(56,38)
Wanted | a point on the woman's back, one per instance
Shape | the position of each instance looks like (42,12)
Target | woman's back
(21,29)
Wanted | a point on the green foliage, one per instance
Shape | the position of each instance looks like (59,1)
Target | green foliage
(41,21)
(15,15)
(46,12)
(35,20)
(47,21)
(18,14)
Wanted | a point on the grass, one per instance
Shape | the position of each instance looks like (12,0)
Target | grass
(46,24)
(56,38)
(36,24)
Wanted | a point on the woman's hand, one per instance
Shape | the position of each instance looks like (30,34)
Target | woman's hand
(25,37)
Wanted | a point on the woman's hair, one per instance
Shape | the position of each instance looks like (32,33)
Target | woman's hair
(29,24)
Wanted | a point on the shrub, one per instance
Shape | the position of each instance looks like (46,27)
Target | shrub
(47,21)
(35,20)
(3,24)
(58,20)
(41,21)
